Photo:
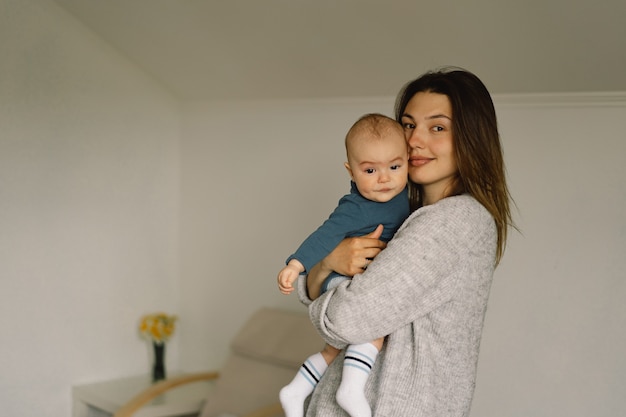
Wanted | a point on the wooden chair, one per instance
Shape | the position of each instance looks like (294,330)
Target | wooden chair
(265,355)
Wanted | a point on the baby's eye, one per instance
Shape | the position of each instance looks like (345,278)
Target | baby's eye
(395,167)
(370,170)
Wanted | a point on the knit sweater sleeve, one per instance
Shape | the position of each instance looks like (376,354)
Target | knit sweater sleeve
(427,262)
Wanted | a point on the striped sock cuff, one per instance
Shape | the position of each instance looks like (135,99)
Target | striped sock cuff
(359,360)
(310,373)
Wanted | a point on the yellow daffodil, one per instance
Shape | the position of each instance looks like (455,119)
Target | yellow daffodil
(157,327)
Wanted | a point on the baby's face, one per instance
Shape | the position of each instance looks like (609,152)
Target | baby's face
(379,166)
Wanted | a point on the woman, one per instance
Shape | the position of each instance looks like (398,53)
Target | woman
(428,290)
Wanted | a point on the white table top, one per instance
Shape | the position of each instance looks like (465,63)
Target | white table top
(111,395)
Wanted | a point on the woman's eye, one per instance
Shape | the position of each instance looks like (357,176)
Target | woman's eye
(438,128)
(408,126)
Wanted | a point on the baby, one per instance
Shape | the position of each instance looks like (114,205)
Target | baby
(378,166)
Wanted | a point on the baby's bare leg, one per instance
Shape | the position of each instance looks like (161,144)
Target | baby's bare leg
(378,343)
(330,353)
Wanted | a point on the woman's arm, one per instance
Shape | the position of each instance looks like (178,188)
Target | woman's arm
(349,258)
(439,249)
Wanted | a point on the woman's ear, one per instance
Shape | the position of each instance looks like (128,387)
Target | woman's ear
(347,165)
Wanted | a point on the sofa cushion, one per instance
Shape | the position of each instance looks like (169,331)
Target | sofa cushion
(265,355)
(284,338)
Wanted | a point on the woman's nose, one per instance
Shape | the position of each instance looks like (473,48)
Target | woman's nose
(415,140)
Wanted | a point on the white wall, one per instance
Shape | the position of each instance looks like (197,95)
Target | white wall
(98,226)
(89,199)
(259,176)
(555,336)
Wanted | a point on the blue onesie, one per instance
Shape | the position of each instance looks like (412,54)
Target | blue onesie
(354,216)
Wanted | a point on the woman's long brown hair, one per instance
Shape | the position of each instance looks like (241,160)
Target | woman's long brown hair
(477,147)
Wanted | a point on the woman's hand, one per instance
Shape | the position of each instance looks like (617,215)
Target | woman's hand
(353,255)
(350,257)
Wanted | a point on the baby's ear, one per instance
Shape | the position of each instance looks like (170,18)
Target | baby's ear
(347,165)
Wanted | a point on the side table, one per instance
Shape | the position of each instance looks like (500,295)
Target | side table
(103,399)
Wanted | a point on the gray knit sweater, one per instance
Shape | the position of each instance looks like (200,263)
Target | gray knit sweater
(427,292)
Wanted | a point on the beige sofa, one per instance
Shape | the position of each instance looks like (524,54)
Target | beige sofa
(265,355)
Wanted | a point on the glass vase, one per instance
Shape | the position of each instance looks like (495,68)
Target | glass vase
(158,368)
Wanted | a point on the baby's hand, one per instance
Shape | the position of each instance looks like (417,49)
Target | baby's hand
(288,275)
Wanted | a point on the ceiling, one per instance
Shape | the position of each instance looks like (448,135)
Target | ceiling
(232,49)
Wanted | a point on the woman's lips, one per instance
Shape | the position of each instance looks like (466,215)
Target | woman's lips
(419,161)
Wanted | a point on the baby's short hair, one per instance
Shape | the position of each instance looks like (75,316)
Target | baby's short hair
(376,125)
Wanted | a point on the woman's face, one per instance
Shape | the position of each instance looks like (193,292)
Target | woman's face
(427,123)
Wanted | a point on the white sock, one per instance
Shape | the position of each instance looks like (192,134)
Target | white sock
(292,396)
(357,366)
